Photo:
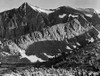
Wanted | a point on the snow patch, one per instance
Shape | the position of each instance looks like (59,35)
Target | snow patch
(49,56)
(74,46)
(90,40)
(62,16)
(6,54)
(59,54)
(99,35)
(47,11)
(78,43)
(89,15)
(32,58)
(70,15)
(67,47)
(97,11)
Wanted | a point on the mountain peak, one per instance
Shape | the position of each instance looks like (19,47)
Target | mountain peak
(24,5)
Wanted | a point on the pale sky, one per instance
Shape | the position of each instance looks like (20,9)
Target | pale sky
(46,4)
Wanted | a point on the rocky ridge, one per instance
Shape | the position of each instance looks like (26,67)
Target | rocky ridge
(30,34)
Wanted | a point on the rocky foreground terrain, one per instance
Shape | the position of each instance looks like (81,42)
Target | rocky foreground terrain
(64,37)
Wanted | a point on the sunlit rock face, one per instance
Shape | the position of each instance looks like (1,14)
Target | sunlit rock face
(29,34)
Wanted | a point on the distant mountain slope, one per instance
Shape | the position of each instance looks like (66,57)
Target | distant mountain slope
(31,34)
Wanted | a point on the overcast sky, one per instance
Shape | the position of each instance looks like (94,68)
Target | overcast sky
(9,4)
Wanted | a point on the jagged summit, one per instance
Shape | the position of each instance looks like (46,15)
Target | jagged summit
(26,6)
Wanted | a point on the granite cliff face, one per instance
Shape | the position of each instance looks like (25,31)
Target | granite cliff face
(31,34)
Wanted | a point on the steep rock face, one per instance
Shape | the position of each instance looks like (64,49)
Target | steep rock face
(91,15)
(30,34)
(17,22)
